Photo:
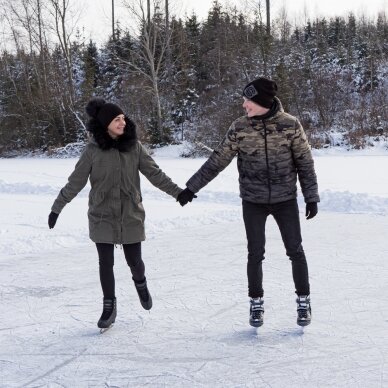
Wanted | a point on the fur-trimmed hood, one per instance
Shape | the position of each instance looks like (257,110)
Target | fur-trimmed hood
(101,136)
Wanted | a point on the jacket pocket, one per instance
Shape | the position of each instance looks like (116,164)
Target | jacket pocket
(136,197)
(132,211)
(97,208)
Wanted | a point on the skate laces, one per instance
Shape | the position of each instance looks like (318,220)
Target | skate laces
(107,311)
(108,304)
(257,308)
(303,306)
(303,302)
(143,291)
(143,294)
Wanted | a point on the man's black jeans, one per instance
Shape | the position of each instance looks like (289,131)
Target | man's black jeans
(286,215)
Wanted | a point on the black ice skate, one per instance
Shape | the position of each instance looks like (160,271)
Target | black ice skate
(256,318)
(304,310)
(108,315)
(144,295)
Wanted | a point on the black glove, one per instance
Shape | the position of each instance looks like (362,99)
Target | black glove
(52,219)
(311,210)
(185,196)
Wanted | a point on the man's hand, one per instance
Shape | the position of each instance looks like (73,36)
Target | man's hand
(185,196)
(52,219)
(311,210)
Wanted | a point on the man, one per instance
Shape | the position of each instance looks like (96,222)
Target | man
(272,151)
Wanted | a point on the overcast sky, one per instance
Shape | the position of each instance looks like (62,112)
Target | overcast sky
(96,15)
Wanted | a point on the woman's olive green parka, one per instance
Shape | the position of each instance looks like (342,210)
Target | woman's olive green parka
(116,214)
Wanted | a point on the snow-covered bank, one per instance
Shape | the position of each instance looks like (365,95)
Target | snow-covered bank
(197,333)
(347,184)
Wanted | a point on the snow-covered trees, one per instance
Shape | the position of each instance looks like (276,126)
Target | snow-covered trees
(186,77)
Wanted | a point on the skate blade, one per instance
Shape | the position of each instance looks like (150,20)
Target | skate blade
(303,323)
(105,329)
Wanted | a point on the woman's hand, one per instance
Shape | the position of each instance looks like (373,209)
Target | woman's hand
(52,219)
(185,196)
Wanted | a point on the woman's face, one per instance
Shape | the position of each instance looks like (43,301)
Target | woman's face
(116,126)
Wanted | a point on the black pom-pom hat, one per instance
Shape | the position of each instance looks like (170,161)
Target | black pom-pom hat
(103,111)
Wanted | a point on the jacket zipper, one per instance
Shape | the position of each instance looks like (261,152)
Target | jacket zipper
(267,163)
(121,199)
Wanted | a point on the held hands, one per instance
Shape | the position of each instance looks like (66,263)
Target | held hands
(52,219)
(185,196)
(311,210)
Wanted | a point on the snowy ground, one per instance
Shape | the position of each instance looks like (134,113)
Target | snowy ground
(197,334)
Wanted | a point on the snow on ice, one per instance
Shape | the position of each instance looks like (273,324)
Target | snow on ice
(197,334)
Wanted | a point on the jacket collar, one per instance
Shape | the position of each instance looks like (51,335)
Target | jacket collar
(276,109)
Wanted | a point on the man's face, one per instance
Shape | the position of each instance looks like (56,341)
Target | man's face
(253,109)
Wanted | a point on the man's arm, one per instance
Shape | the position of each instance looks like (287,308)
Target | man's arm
(305,165)
(218,160)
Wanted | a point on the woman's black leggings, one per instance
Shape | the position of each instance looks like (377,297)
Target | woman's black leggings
(132,254)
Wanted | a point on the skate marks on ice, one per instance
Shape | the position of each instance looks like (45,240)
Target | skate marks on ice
(198,332)
(264,336)
(36,292)
(53,370)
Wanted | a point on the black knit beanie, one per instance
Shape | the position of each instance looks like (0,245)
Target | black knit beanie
(261,91)
(103,111)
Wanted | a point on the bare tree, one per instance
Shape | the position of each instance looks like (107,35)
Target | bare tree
(25,20)
(267,8)
(154,41)
(113,20)
(168,53)
(148,12)
(65,21)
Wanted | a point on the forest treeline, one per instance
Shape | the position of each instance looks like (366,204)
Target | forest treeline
(180,78)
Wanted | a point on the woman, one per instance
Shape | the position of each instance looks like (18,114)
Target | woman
(112,161)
